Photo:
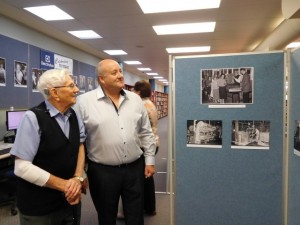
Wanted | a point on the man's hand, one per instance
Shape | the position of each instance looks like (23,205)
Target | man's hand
(149,170)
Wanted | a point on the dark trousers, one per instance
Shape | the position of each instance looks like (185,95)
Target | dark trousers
(149,195)
(246,97)
(108,183)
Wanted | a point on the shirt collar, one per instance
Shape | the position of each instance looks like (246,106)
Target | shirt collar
(101,94)
(54,111)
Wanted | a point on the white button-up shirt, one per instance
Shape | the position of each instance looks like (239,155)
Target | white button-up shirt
(115,135)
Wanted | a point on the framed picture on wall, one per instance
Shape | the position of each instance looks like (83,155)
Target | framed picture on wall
(250,134)
(227,86)
(35,76)
(81,83)
(20,74)
(90,83)
(297,138)
(204,133)
(2,72)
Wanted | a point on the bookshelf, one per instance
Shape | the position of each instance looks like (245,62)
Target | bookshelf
(160,100)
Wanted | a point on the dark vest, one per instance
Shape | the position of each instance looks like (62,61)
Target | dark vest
(56,154)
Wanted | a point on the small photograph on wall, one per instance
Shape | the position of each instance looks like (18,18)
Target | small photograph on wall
(2,72)
(90,83)
(204,133)
(81,83)
(75,79)
(20,74)
(251,134)
(227,86)
(35,76)
(96,82)
(297,138)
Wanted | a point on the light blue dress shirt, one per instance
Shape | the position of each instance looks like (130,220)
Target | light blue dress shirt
(28,134)
(115,135)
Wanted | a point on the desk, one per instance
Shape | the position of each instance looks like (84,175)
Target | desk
(5,147)
(235,92)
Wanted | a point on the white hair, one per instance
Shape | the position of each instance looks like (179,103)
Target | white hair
(51,78)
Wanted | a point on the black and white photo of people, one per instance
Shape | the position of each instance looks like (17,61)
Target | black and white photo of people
(20,74)
(2,72)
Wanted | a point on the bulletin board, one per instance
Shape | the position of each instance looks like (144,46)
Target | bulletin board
(225,185)
(23,96)
(293,139)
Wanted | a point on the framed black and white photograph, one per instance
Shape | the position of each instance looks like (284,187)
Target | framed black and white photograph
(20,74)
(204,133)
(75,79)
(90,83)
(251,134)
(297,138)
(227,86)
(35,76)
(81,83)
(2,72)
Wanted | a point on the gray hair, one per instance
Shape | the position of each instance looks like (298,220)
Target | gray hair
(52,78)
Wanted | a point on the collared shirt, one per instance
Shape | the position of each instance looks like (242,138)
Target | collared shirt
(115,135)
(28,135)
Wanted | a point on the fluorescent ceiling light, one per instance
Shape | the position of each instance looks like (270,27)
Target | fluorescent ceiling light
(85,34)
(152,74)
(293,45)
(186,28)
(144,69)
(158,77)
(133,62)
(155,6)
(162,79)
(188,49)
(49,12)
(115,52)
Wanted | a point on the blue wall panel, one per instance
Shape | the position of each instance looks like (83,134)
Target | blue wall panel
(229,186)
(294,160)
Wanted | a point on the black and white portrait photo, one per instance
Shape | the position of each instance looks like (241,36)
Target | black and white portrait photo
(20,74)
(227,85)
(35,75)
(2,72)
(250,134)
(90,83)
(205,133)
(81,83)
(297,138)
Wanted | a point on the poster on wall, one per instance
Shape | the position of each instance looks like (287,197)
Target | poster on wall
(2,72)
(227,86)
(81,83)
(90,83)
(75,79)
(204,133)
(61,62)
(35,75)
(297,138)
(20,74)
(251,134)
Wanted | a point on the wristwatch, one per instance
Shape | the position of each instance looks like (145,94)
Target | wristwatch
(79,178)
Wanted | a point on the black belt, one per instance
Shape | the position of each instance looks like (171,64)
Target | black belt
(120,165)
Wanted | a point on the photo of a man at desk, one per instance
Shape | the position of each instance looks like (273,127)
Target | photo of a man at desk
(227,86)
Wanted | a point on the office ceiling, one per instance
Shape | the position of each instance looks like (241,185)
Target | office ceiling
(241,25)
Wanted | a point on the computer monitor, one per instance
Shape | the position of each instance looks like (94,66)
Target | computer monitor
(13,119)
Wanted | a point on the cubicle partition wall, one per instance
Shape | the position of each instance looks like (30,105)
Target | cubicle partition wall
(229,154)
(293,138)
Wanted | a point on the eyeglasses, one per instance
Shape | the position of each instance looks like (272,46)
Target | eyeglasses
(73,85)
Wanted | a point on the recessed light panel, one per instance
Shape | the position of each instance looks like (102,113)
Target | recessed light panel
(186,28)
(293,45)
(115,52)
(85,34)
(144,69)
(158,6)
(188,49)
(152,74)
(133,62)
(49,12)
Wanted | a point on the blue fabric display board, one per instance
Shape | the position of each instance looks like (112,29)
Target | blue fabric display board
(222,184)
(293,140)
(23,96)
